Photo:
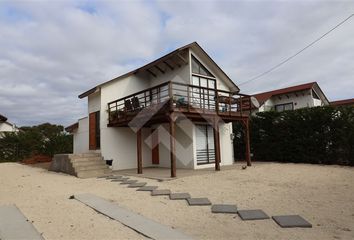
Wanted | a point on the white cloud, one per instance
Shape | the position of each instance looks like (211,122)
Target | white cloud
(52,51)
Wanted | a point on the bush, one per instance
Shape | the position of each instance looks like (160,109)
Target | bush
(46,139)
(322,135)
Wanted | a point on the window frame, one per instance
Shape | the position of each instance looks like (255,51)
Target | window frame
(283,105)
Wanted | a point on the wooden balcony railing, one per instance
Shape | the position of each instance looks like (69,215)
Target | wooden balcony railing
(173,96)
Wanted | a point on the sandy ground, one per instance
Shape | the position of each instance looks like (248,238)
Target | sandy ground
(324,195)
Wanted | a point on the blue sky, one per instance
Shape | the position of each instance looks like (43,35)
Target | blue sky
(51,51)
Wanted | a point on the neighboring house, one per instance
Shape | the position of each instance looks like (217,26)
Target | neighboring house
(5,126)
(344,102)
(291,98)
(174,112)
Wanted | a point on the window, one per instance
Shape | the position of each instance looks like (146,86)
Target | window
(314,95)
(198,68)
(284,107)
(201,77)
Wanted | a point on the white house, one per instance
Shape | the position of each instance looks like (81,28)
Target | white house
(174,112)
(5,126)
(291,98)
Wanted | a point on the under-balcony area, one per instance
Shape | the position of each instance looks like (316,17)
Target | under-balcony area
(155,105)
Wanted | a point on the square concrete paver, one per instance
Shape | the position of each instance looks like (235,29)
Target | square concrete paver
(179,196)
(224,208)
(138,184)
(147,188)
(198,201)
(256,214)
(160,192)
(290,221)
(120,179)
(114,177)
(129,182)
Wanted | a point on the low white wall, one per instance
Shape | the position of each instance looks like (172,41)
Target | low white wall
(81,137)
(119,144)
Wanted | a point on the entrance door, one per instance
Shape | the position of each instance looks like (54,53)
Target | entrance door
(205,144)
(94,131)
(155,147)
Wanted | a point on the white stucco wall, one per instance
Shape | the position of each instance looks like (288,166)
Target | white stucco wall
(81,137)
(94,102)
(119,144)
(7,127)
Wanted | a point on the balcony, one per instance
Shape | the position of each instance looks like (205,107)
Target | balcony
(154,105)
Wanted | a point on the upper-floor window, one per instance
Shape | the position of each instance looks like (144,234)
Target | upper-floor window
(314,95)
(284,107)
(201,76)
(198,68)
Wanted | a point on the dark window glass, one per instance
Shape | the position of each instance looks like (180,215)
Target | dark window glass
(284,107)
(314,95)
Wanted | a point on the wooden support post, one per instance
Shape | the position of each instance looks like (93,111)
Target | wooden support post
(139,151)
(217,144)
(247,142)
(173,145)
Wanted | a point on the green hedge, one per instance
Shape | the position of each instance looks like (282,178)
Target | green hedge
(323,135)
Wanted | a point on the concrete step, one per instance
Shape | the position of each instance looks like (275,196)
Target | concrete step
(89,154)
(83,168)
(85,159)
(89,163)
(92,173)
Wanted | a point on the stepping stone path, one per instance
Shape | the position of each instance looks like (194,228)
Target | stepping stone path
(285,221)
(198,201)
(224,208)
(290,221)
(160,192)
(129,181)
(252,214)
(136,185)
(179,196)
(147,188)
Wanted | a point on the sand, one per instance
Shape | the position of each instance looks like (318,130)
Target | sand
(324,195)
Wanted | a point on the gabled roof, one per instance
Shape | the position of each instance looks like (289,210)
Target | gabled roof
(262,97)
(343,102)
(193,45)
(3,118)
(72,127)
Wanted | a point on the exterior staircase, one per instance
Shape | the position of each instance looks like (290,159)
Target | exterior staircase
(83,165)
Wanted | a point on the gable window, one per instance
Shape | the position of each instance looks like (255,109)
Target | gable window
(284,107)
(314,95)
(202,96)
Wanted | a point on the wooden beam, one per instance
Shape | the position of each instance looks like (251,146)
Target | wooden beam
(182,58)
(162,71)
(173,145)
(153,74)
(247,141)
(168,65)
(216,144)
(176,62)
(139,151)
